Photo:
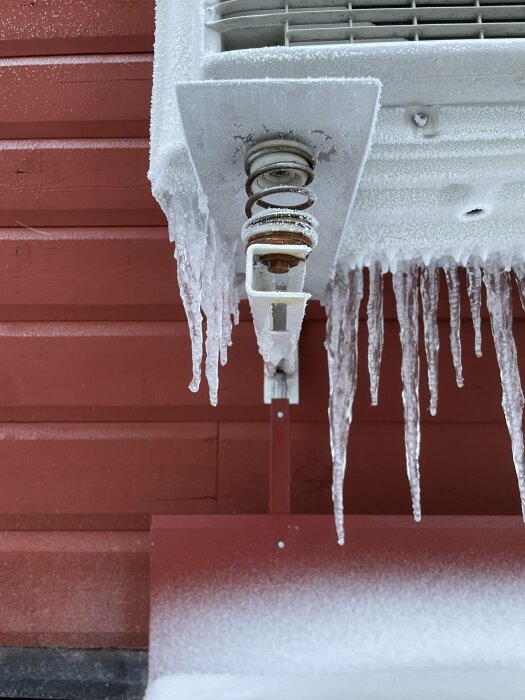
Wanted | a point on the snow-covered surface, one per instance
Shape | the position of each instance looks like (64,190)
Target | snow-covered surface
(436,632)
(483,683)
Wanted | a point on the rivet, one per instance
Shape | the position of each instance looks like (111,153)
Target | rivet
(280,414)
(281,544)
(420,119)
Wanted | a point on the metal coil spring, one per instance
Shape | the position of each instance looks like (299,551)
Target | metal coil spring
(282,170)
(259,197)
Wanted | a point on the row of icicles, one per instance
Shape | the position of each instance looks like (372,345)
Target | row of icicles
(412,282)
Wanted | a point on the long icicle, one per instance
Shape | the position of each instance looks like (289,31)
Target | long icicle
(406,292)
(376,328)
(188,223)
(474,295)
(499,302)
(451,274)
(429,285)
(343,301)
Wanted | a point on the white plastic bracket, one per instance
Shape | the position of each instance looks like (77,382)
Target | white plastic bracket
(277,304)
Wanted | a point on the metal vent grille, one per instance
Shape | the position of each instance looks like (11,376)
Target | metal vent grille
(255,23)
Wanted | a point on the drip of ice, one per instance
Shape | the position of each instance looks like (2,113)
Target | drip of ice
(429,284)
(406,283)
(375,323)
(343,301)
(451,273)
(474,295)
(499,302)
(205,269)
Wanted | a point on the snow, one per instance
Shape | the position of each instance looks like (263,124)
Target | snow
(406,630)
(484,683)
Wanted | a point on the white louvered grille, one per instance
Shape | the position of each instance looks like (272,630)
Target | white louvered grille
(255,23)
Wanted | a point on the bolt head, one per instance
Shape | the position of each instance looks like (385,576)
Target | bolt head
(420,119)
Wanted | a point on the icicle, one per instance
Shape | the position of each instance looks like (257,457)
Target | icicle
(188,227)
(375,322)
(205,270)
(519,273)
(344,298)
(499,302)
(406,292)
(455,320)
(218,280)
(429,285)
(474,294)
(230,310)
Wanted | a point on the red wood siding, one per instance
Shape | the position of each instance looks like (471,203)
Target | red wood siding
(98,428)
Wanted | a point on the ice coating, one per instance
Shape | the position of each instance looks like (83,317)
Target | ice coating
(375,323)
(474,294)
(429,284)
(343,302)
(406,284)
(499,302)
(451,274)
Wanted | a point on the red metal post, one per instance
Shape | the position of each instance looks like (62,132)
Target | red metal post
(280,472)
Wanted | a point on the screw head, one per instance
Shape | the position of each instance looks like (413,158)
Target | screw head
(280,414)
(281,544)
(420,119)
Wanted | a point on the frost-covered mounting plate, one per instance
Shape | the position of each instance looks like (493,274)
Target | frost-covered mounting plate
(334,117)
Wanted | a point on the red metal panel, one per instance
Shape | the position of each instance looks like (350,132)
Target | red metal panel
(77,97)
(60,476)
(75,26)
(76,183)
(117,372)
(465,470)
(109,274)
(75,589)
(279,467)
(218,581)
(243,461)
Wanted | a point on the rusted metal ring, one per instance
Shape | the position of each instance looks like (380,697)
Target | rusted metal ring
(279,238)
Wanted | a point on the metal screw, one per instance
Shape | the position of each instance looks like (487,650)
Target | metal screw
(281,544)
(420,119)
(280,414)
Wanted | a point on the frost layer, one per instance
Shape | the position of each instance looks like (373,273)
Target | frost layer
(411,280)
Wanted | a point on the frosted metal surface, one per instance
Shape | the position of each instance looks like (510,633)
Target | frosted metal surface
(222,119)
